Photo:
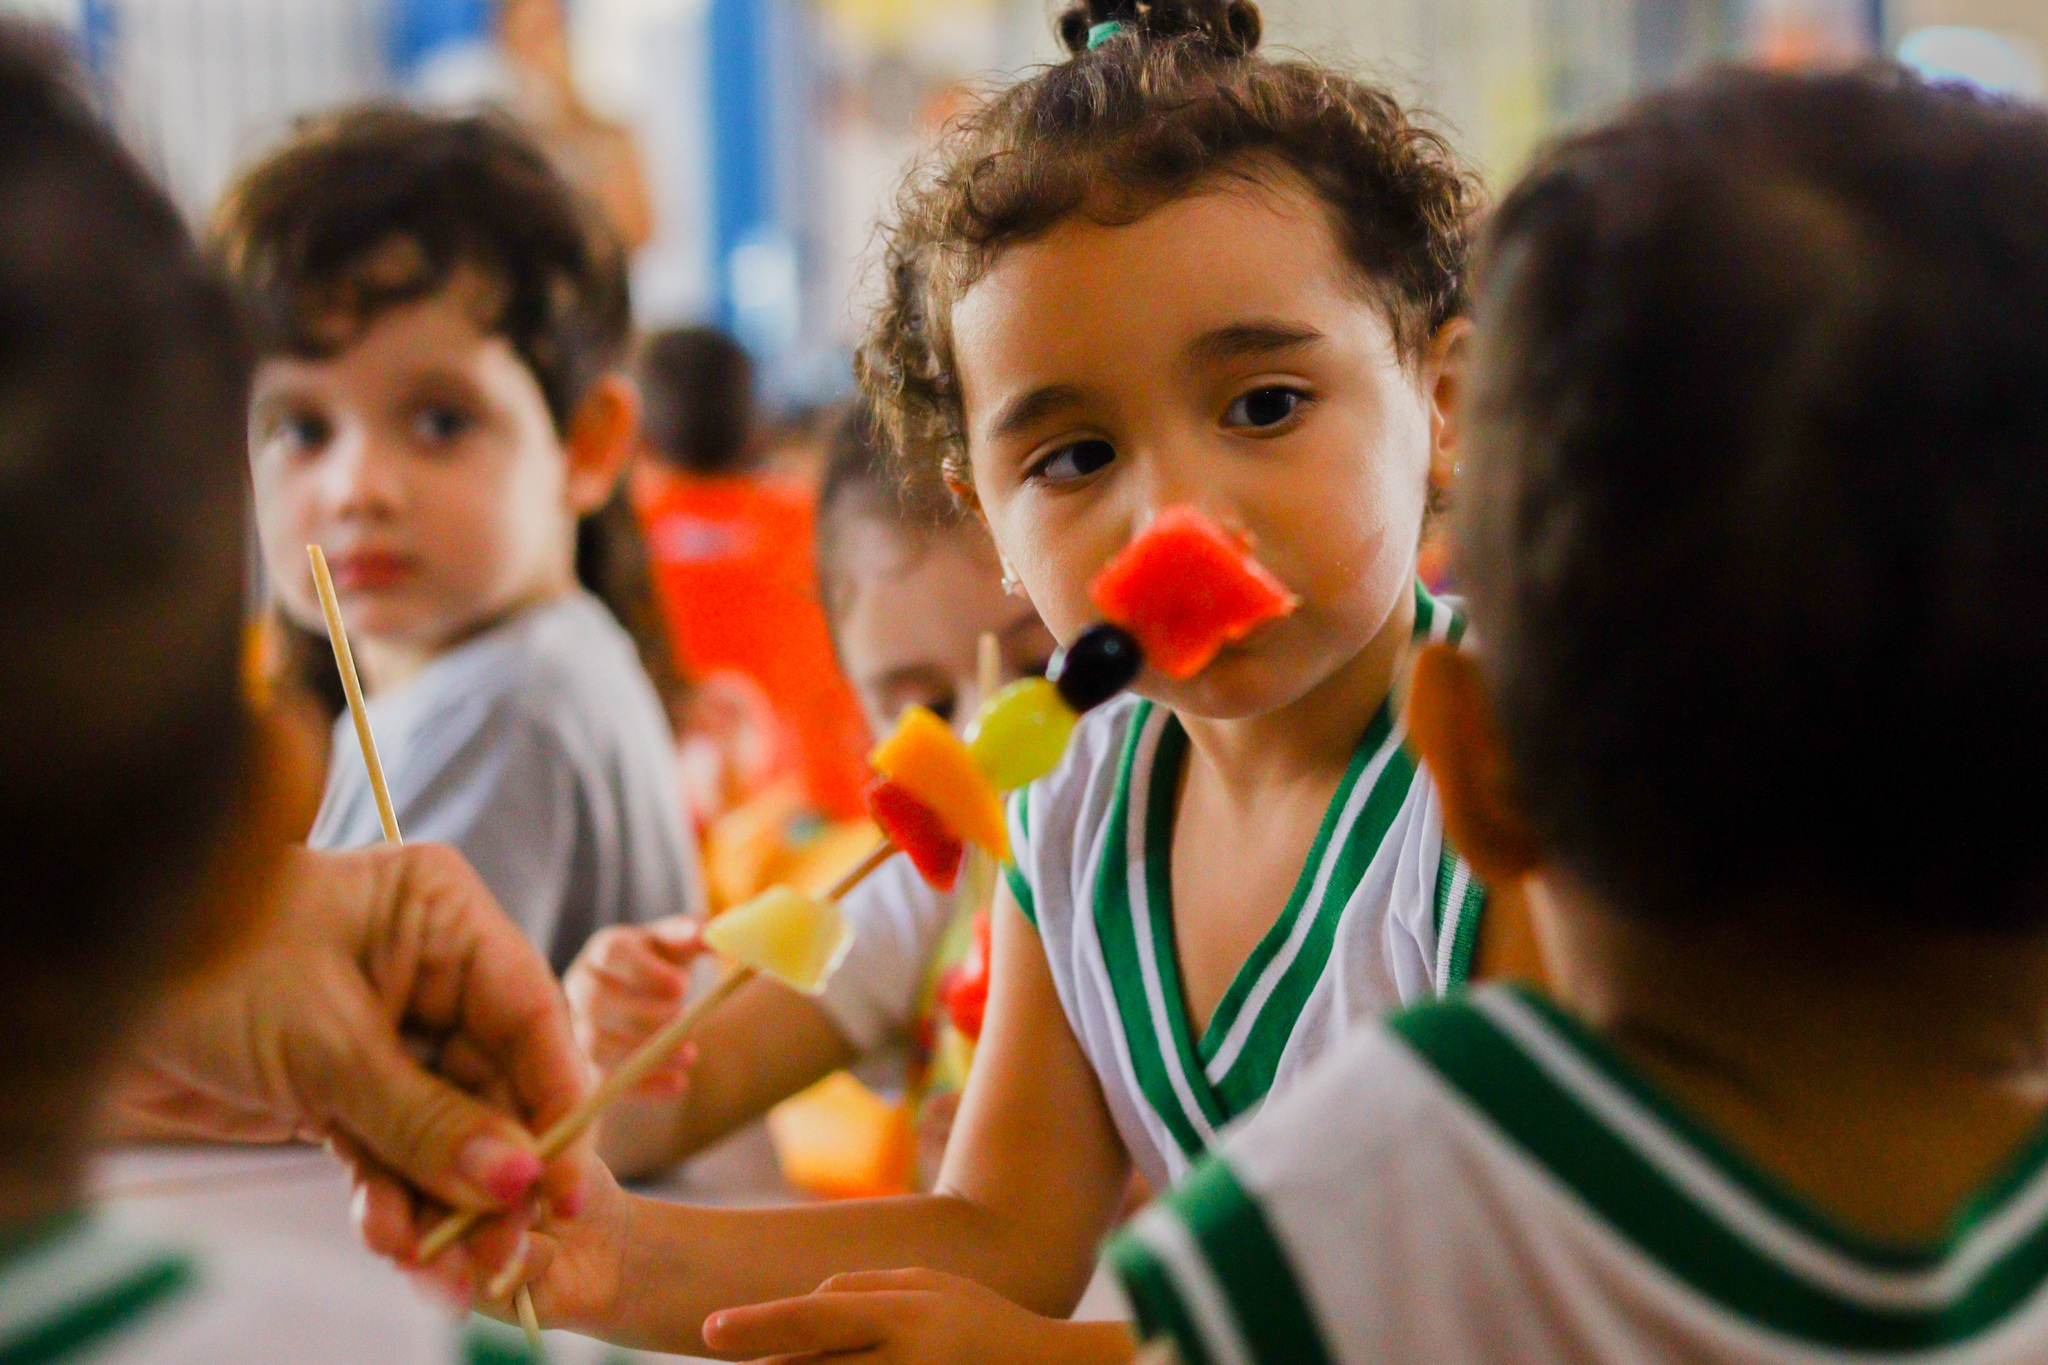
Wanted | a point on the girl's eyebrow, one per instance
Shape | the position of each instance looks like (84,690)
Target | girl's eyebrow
(1241,340)
(1026,409)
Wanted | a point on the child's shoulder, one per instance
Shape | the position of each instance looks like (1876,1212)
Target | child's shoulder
(1055,820)
(96,1288)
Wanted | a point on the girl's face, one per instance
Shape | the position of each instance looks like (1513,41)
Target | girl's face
(423,459)
(1222,352)
(908,614)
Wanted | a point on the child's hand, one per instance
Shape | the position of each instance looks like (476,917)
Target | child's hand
(905,1316)
(626,984)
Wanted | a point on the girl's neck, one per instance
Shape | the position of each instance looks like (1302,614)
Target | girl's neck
(1884,1075)
(390,664)
(1314,735)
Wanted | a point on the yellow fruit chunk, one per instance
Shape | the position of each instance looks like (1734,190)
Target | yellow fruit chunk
(929,761)
(790,936)
(1021,733)
(842,1141)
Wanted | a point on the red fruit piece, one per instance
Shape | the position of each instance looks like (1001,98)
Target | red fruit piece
(964,990)
(1186,588)
(913,827)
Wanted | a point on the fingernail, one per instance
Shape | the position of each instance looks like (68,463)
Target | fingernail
(502,1169)
(505,1281)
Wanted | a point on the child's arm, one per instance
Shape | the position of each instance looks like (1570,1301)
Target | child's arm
(762,1045)
(915,1315)
(1032,1180)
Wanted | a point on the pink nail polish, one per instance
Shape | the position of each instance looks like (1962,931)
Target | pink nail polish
(503,1170)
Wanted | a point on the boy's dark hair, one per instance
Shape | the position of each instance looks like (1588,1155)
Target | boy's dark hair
(1758,533)
(863,481)
(123,735)
(379,206)
(1175,99)
(697,387)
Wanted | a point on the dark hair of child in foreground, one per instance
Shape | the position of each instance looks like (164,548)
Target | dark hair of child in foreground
(1757,541)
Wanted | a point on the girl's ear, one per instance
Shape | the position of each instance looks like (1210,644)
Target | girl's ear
(1452,726)
(600,442)
(1443,375)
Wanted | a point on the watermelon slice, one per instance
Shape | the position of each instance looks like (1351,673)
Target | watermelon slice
(1186,588)
(964,989)
(912,827)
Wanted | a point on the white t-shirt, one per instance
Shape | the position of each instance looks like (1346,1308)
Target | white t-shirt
(94,1291)
(898,923)
(540,750)
(1385,913)
(1484,1181)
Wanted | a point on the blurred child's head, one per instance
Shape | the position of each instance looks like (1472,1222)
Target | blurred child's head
(1170,271)
(126,751)
(440,322)
(911,584)
(1757,533)
(698,387)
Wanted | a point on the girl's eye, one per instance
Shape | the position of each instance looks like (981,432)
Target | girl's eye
(1267,407)
(437,425)
(1076,461)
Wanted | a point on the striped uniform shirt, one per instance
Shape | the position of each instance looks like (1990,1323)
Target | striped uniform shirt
(88,1290)
(1482,1180)
(1384,913)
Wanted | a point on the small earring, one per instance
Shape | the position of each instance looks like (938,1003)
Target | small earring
(1012,585)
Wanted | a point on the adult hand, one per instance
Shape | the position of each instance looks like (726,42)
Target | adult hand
(377,965)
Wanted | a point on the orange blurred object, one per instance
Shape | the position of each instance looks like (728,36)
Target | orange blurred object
(928,760)
(773,839)
(840,1140)
(735,574)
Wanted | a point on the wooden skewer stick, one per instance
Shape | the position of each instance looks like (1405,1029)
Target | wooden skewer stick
(387,814)
(345,661)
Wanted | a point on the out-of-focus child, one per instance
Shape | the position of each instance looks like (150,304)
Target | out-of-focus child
(912,584)
(731,549)
(144,807)
(440,321)
(1757,540)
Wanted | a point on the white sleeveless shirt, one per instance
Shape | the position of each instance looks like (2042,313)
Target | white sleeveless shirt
(1385,913)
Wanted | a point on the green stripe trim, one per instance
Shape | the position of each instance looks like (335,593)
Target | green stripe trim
(1116,931)
(81,1326)
(1645,1205)
(1465,922)
(1247,1262)
(492,1343)
(1020,849)
(1250,1077)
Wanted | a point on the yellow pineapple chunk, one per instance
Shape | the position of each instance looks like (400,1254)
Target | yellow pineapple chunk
(795,938)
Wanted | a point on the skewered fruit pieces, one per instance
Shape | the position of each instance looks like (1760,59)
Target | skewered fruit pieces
(1020,734)
(964,990)
(1186,589)
(794,938)
(912,827)
(1101,663)
(928,760)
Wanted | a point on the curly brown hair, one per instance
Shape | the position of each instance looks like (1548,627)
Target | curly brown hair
(1170,98)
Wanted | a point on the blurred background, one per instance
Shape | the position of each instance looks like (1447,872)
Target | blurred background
(745,146)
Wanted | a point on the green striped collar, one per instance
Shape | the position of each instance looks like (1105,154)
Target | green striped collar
(1197,1085)
(72,1284)
(1708,1215)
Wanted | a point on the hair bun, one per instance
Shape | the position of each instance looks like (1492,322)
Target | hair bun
(1231,27)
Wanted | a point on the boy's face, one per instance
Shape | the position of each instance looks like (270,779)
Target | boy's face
(423,459)
(1220,351)
(908,616)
